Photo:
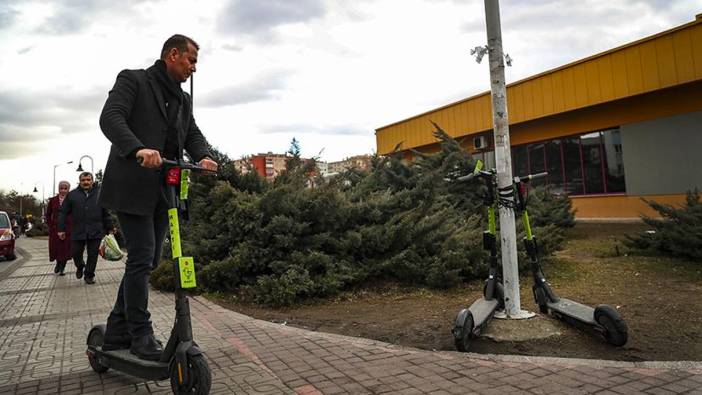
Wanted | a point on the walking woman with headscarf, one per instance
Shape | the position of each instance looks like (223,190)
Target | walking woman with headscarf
(59,250)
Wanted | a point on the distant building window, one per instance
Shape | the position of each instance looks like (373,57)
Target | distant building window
(587,164)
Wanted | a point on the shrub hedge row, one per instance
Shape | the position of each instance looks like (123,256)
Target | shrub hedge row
(303,237)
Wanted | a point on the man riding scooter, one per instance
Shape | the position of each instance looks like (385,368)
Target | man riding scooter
(146,117)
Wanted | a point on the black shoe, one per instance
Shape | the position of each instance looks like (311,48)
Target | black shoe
(62,273)
(79,272)
(56,268)
(146,347)
(117,342)
(90,280)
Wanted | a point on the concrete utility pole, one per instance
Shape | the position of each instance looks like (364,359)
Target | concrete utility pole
(510,272)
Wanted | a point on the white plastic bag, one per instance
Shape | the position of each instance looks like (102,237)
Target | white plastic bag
(109,249)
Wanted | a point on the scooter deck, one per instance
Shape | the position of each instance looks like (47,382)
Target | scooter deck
(578,311)
(482,310)
(125,361)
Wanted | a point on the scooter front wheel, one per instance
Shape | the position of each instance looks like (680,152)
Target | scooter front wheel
(200,377)
(615,329)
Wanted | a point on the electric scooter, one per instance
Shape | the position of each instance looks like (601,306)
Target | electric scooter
(182,360)
(471,321)
(603,319)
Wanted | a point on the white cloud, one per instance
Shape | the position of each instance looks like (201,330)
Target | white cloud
(326,72)
(258,19)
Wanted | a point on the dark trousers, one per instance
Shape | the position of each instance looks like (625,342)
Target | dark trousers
(144,236)
(77,248)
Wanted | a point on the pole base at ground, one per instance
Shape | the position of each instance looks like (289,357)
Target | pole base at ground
(522,315)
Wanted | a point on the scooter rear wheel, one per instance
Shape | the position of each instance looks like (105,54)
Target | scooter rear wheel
(462,343)
(615,329)
(200,377)
(96,338)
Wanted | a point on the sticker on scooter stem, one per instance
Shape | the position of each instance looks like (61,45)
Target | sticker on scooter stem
(174,232)
(184,175)
(186,267)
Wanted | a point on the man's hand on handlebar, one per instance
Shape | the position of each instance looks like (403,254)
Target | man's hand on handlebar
(208,164)
(152,159)
(149,158)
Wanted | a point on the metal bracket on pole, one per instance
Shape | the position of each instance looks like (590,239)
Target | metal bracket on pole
(479,53)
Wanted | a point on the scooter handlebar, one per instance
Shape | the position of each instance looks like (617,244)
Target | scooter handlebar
(167,164)
(537,175)
(467,177)
(531,177)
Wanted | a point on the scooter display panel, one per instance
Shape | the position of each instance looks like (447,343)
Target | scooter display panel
(574,309)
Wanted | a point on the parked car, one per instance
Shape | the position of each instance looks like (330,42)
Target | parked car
(7,237)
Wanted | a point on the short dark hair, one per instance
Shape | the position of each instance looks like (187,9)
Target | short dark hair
(86,173)
(178,41)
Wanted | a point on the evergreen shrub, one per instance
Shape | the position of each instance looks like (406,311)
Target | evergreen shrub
(677,233)
(304,237)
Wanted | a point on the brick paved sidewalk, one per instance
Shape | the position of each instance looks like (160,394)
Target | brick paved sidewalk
(44,320)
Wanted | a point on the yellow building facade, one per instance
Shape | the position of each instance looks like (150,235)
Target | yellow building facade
(610,129)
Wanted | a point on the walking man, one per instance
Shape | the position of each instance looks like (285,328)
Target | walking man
(90,223)
(148,117)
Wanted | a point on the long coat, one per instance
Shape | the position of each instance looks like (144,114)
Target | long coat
(89,220)
(58,249)
(134,117)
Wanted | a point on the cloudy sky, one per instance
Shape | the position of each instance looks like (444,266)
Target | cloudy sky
(326,72)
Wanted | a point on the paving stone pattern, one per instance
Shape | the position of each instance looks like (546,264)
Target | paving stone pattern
(44,320)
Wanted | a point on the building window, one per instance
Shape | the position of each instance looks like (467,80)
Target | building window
(572,166)
(591,146)
(587,164)
(613,160)
(537,157)
(554,166)
(520,160)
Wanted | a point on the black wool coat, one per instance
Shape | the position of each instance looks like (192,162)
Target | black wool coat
(134,117)
(88,219)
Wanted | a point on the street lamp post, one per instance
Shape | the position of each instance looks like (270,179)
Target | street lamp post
(55,166)
(43,197)
(20,197)
(92,167)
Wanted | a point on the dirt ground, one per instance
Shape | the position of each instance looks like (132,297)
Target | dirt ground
(658,297)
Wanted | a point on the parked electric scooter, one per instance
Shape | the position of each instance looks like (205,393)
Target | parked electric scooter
(603,318)
(182,360)
(471,321)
